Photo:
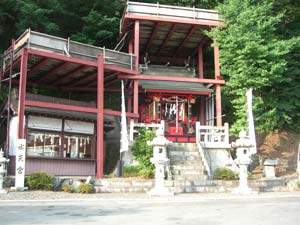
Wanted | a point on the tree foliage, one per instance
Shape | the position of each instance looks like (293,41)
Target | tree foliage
(254,54)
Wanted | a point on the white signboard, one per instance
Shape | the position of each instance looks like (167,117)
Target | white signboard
(20,163)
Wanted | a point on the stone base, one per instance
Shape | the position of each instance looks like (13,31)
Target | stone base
(19,189)
(244,191)
(3,191)
(160,192)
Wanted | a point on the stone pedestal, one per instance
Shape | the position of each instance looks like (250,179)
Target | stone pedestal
(269,168)
(243,182)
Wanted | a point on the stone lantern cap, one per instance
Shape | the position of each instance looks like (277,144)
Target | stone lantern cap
(243,141)
(159,140)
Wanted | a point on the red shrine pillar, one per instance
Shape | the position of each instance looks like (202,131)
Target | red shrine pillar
(218,86)
(136,52)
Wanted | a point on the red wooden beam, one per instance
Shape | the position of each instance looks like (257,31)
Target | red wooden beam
(117,113)
(152,36)
(79,89)
(186,38)
(66,77)
(136,96)
(174,20)
(205,40)
(110,76)
(61,57)
(118,69)
(200,62)
(216,60)
(111,82)
(218,106)
(53,71)
(168,37)
(137,44)
(100,119)
(39,65)
(60,106)
(22,92)
(166,78)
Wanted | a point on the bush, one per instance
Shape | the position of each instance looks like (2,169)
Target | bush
(86,189)
(224,174)
(40,181)
(298,185)
(142,152)
(146,173)
(67,188)
(131,171)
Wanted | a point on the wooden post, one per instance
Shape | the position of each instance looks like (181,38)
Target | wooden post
(22,92)
(218,87)
(100,120)
(200,61)
(202,110)
(136,44)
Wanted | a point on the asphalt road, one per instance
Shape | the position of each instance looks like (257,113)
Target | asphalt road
(157,211)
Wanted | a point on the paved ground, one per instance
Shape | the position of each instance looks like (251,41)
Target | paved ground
(135,209)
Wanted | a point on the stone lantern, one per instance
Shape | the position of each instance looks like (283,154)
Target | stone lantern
(3,170)
(243,146)
(160,160)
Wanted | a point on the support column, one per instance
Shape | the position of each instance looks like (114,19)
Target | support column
(136,96)
(100,120)
(22,92)
(136,53)
(218,87)
(200,61)
(202,110)
(136,44)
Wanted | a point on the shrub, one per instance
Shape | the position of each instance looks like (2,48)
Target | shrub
(131,171)
(67,188)
(142,152)
(224,174)
(146,173)
(40,181)
(86,189)
(298,185)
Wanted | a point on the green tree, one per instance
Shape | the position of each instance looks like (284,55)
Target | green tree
(252,54)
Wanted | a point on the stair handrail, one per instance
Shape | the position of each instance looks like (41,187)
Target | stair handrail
(201,150)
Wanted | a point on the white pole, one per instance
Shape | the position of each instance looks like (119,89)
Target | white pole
(124,134)
(298,162)
(251,129)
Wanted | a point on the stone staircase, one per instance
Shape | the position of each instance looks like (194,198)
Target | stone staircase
(186,167)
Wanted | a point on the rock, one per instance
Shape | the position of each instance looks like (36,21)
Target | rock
(90,180)
(58,182)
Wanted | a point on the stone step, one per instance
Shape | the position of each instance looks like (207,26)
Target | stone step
(197,166)
(187,172)
(176,149)
(186,162)
(185,158)
(183,153)
(190,177)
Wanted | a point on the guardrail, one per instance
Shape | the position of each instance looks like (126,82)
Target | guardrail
(134,125)
(172,11)
(45,42)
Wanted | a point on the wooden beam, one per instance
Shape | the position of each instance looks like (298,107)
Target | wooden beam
(39,65)
(216,60)
(152,37)
(22,93)
(136,44)
(186,38)
(200,62)
(60,106)
(118,69)
(167,78)
(61,57)
(202,44)
(177,91)
(168,37)
(53,71)
(66,77)
(218,105)
(117,113)
(165,59)
(100,119)
(85,79)
(136,96)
